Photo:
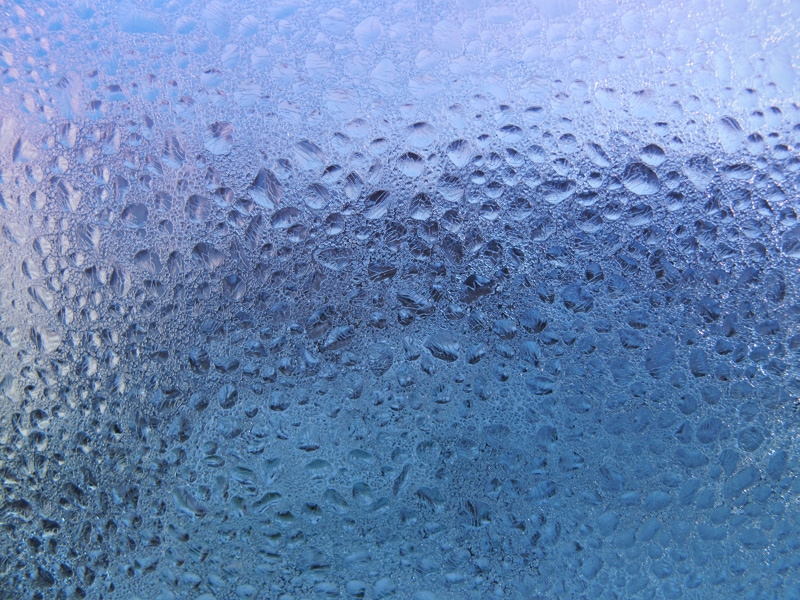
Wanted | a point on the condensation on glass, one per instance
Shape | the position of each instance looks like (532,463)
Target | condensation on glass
(430,300)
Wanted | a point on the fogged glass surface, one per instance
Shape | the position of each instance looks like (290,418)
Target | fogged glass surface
(414,300)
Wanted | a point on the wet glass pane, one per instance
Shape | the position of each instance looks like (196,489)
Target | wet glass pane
(421,300)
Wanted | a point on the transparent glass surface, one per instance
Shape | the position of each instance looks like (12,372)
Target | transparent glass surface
(407,300)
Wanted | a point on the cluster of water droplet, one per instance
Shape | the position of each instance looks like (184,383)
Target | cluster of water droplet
(265,333)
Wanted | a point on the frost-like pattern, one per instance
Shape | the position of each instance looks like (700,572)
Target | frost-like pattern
(430,300)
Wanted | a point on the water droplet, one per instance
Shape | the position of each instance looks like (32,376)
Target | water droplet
(640,179)
(218,138)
